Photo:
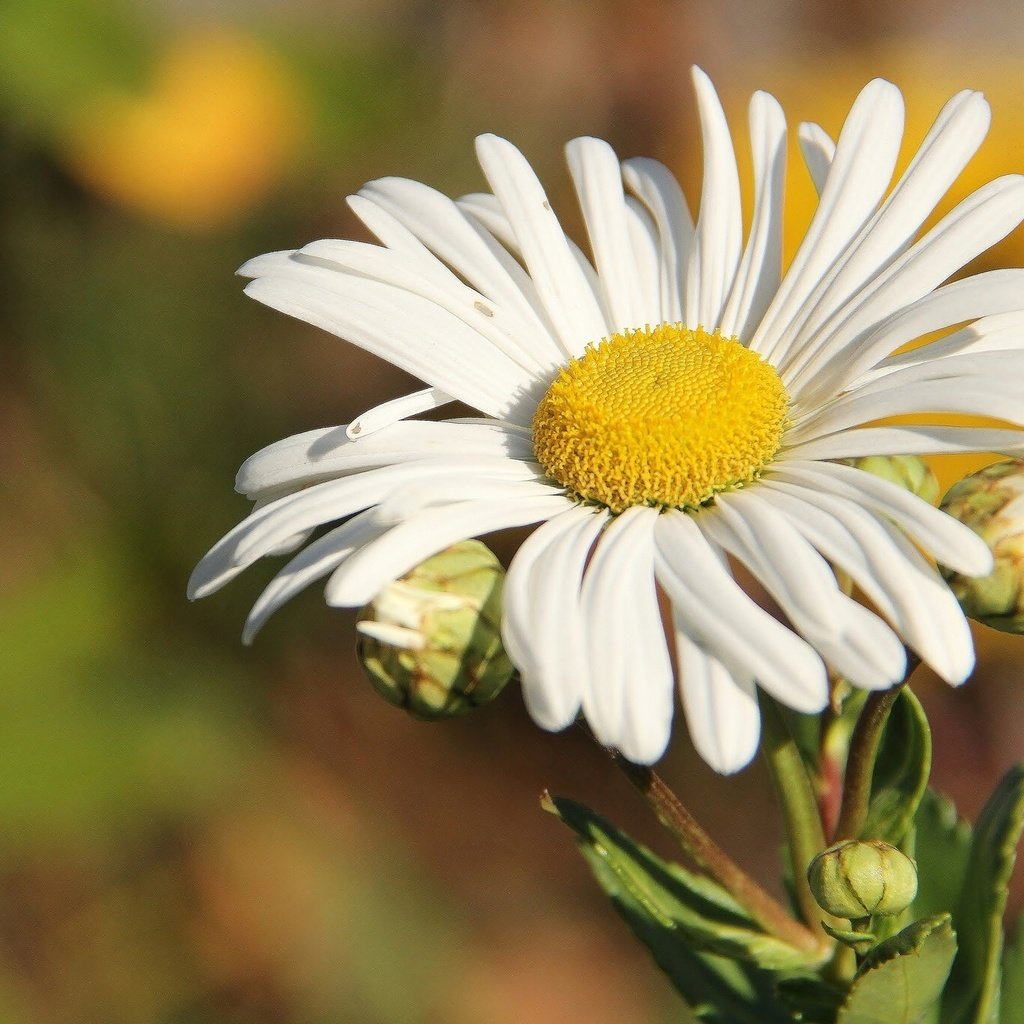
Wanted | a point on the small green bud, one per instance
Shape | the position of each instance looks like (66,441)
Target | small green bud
(908,471)
(991,502)
(862,878)
(431,641)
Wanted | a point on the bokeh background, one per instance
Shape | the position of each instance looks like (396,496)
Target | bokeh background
(196,833)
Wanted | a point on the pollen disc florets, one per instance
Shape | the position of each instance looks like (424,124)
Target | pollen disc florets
(664,416)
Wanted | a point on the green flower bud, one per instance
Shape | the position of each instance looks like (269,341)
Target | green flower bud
(908,471)
(430,642)
(991,502)
(862,878)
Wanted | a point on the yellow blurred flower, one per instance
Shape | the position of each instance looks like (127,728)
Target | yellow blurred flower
(216,131)
(822,90)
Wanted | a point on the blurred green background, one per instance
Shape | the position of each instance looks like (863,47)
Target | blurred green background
(196,833)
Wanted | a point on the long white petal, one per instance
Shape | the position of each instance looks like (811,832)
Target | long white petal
(720,706)
(818,149)
(598,178)
(723,619)
(917,440)
(542,625)
(715,252)
(397,409)
(948,540)
(362,576)
(566,293)
(317,455)
(757,279)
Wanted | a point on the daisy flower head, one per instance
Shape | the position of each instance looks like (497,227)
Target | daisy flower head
(664,409)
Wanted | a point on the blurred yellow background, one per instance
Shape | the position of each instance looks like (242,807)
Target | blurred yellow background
(196,833)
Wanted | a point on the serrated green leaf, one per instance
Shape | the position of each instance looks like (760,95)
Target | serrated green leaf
(901,771)
(941,848)
(901,978)
(973,993)
(1012,990)
(717,990)
(701,912)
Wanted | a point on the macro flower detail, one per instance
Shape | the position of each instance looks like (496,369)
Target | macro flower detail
(666,409)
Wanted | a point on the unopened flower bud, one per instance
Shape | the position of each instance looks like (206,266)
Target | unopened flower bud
(907,471)
(862,878)
(430,642)
(991,502)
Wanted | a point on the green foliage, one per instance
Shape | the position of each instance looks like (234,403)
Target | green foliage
(901,771)
(901,978)
(1011,999)
(974,989)
(941,846)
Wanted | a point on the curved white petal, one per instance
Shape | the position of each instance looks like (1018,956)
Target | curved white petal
(542,626)
(948,540)
(760,269)
(646,249)
(627,697)
(717,614)
(397,409)
(362,575)
(917,440)
(656,187)
(818,149)
(720,706)
(318,455)
(715,251)
(598,179)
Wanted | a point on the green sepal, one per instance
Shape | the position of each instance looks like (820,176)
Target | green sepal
(861,942)
(688,908)
(902,977)
(1012,989)
(973,993)
(901,771)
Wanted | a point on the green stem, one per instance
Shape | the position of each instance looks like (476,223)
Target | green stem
(706,853)
(798,801)
(860,765)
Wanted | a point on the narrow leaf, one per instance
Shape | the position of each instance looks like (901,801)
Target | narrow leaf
(902,977)
(973,993)
(1012,994)
(901,771)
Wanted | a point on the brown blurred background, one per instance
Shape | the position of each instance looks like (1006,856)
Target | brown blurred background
(195,833)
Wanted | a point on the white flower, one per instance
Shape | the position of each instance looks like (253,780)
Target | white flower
(666,411)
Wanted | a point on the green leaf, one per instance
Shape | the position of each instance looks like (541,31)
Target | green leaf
(941,847)
(973,993)
(859,941)
(698,910)
(809,1000)
(901,771)
(902,977)
(1012,990)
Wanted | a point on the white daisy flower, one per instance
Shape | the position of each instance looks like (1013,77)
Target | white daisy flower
(666,410)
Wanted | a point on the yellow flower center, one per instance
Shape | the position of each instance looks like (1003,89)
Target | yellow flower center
(665,417)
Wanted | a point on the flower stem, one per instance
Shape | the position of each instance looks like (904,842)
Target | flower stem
(705,852)
(860,765)
(798,801)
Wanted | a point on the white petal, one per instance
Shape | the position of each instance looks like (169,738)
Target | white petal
(570,301)
(757,279)
(408,331)
(717,614)
(627,697)
(947,539)
(715,252)
(363,575)
(656,187)
(720,707)
(598,178)
(314,562)
(397,409)
(464,246)
(917,440)
(646,248)
(441,489)
(977,223)
(955,136)
(819,150)
(858,644)
(890,571)
(542,626)
(858,177)
(317,455)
